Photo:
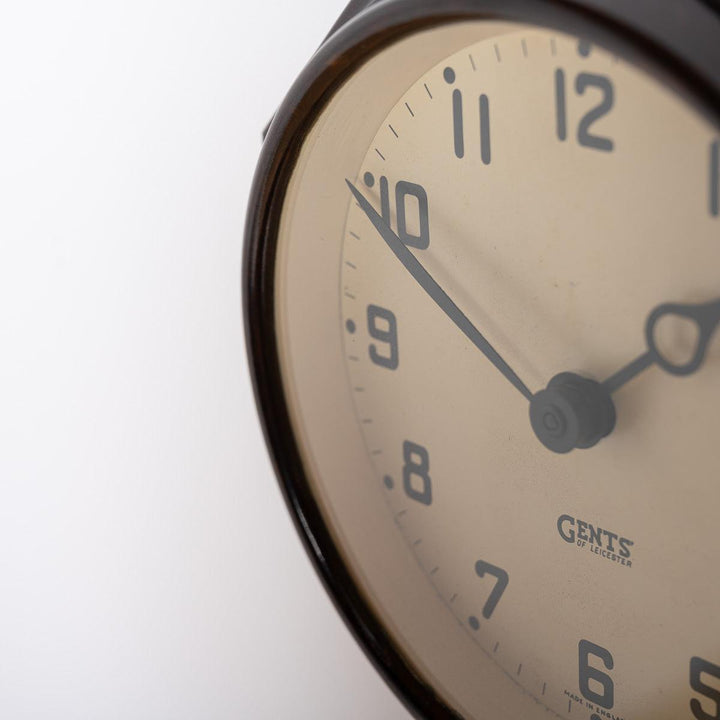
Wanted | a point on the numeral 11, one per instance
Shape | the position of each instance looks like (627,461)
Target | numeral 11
(459,122)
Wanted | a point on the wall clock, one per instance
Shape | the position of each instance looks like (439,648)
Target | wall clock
(482,293)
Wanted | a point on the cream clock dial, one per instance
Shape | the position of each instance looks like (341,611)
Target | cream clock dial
(535,193)
(484,293)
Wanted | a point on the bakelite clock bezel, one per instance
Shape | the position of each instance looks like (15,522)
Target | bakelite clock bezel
(679,40)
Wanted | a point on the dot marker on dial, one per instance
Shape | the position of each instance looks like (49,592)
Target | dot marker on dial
(369,179)
(389,482)
(449,75)
(473,622)
(351,327)
(584,48)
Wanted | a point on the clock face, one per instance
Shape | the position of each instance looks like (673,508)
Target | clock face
(497,290)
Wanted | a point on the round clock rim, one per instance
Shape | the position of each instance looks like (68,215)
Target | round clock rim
(656,40)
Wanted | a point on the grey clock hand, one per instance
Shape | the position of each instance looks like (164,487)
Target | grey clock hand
(441,298)
(707,318)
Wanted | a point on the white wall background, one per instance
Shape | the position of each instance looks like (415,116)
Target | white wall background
(148,567)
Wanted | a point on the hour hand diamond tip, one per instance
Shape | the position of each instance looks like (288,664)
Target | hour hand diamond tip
(439,296)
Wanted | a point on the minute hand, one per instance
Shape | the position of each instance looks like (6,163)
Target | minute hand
(441,298)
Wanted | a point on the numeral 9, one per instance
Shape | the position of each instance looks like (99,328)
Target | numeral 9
(382,327)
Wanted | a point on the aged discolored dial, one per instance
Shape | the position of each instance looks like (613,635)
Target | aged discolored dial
(497,299)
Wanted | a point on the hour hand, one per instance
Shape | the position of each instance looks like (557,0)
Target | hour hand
(705,316)
(439,296)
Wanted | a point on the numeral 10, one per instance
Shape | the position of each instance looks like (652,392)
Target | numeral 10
(419,214)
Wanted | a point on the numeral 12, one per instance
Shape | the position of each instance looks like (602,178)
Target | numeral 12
(582,82)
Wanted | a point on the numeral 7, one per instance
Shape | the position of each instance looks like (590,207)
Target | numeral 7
(502,579)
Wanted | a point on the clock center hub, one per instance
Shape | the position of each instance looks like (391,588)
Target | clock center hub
(572,412)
